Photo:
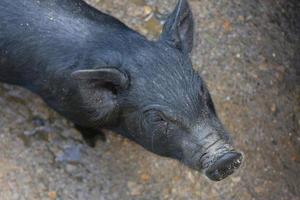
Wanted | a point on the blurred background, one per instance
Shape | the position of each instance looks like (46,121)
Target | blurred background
(248,53)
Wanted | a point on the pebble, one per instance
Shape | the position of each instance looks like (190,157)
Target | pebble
(145,177)
(147,10)
(228,98)
(134,188)
(236,179)
(273,108)
(226,25)
(153,25)
(52,195)
(263,66)
(70,168)
(70,154)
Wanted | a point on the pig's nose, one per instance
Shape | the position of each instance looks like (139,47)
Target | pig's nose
(224,166)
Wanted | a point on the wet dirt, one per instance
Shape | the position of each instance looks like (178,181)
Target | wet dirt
(247,51)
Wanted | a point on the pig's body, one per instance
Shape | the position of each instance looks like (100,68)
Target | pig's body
(98,73)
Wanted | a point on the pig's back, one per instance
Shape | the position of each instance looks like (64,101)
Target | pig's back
(36,34)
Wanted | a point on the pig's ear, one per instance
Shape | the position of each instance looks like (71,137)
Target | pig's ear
(111,77)
(179,27)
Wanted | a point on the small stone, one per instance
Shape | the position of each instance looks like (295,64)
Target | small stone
(241,18)
(176,178)
(70,168)
(236,179)
(145,177)
(70,154)
(296,158)
(125,141)
(226,25)
(190,176)
(147,10)
(152,25)
(259,189)
(134,188)
(273,108)
(52,195)
(238,55)
(263,66)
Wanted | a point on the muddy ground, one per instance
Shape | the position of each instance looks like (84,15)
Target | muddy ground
(247,51)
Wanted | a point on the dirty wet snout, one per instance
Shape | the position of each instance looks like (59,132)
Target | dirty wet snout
(217,158)
(224,166)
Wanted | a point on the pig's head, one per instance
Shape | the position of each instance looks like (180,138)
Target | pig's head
(169,108)
(166,107)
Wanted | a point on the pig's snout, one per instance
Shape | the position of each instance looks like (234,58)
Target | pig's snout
(218,159)
(224,166)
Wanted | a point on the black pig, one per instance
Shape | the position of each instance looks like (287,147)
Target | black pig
(97,72)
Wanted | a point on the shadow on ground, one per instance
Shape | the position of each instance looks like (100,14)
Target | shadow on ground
(246,51)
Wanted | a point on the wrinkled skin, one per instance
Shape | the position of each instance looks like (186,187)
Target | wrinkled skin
(99,73)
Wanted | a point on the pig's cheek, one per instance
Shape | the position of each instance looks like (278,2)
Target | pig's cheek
(191,152)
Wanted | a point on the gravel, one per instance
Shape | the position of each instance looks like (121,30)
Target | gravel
(247,51)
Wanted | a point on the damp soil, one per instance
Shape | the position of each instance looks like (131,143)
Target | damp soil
(247,52)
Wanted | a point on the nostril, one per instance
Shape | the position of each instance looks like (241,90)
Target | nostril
(224,166)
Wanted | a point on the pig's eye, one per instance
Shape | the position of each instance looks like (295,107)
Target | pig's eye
(155,118)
